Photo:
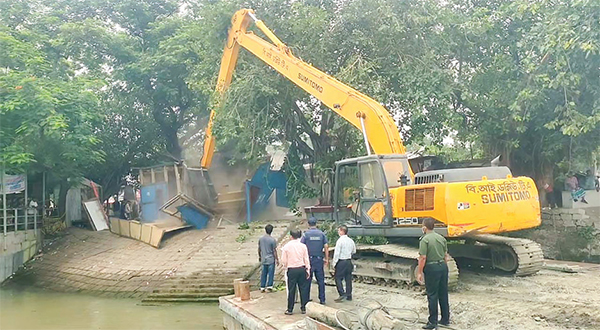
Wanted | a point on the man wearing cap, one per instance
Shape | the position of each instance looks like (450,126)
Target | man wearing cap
(318,253)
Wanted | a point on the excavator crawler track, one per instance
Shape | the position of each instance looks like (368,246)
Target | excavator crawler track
(529,255)
(392,265)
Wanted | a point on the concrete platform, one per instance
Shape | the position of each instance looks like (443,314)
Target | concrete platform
(265,311)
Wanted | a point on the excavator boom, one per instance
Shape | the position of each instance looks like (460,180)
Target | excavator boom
(378,127)
(379,195)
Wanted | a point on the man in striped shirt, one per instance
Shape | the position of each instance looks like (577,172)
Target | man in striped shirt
(342,263)
(294,257)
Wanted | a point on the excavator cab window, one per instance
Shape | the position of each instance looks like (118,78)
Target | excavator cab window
(348,186)
(371,181)
(373,205)
(396,172)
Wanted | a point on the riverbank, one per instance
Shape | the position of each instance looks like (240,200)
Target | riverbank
(105,264)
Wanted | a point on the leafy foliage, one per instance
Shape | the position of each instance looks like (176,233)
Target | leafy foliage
(95,87)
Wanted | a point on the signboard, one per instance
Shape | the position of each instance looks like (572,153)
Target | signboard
(14,183)
(507,191)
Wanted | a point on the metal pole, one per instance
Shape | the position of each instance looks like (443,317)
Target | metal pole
(248,201)
(26,208)
(364,131)
(4,203)
(43,193)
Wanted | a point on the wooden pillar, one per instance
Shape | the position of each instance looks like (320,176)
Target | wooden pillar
(236,287)
(244,290)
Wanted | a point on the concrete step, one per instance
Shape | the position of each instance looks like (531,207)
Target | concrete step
(185,290)
(149,300)
(193,285)
(187,295)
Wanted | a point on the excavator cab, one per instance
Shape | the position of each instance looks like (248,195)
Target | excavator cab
(362,196)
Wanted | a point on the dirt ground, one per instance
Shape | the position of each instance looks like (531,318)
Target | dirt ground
(547,300)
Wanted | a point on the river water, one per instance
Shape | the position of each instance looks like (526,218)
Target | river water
(36,309)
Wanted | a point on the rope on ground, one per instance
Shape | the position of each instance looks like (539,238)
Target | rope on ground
(337,318)
(386,309)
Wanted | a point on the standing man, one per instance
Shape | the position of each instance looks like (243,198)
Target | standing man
(318,253)
(294,257)
(267,256)
(342,263)
(433,258)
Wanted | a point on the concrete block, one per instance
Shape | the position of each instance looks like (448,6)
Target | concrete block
(569,223)
(566,217)
(577,216)
(575,211)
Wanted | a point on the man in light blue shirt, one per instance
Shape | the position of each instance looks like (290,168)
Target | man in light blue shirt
(342,263)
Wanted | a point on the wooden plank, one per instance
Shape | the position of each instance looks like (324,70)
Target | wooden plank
(146,233)
(152,175)
(156,236)
(166,174)
(177,178)
(135,230)
(562,268)
(114,226)
(124,227)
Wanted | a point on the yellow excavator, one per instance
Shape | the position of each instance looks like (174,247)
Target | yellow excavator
(379,195)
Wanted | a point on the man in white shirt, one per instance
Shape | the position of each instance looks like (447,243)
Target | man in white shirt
(342,263)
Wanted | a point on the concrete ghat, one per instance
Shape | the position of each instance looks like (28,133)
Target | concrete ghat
(265,311)
(16,248)
(237,317)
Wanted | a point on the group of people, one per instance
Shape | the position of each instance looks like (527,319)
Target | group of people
(578,184)
(305,256)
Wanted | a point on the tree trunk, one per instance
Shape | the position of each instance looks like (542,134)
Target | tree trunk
(62,197)
(326,315)
(376,319)
(173,146)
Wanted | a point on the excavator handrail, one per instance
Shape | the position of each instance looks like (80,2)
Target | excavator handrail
(377,125)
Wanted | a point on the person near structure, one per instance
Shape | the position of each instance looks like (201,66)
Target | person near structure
(433,258)
(294,257)
(318,253)
(267,256)
(342,263)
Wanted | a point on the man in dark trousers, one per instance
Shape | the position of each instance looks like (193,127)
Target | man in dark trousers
(342,263)
(433,257)
(294,257)
(318,253)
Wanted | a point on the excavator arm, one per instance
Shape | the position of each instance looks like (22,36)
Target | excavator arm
(379,129)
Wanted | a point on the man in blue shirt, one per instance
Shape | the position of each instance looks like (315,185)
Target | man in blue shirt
(318,253)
